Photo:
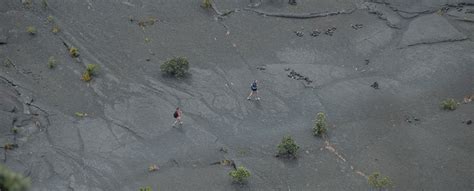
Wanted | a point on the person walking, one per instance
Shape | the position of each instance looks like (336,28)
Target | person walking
(178,114)
(254,91)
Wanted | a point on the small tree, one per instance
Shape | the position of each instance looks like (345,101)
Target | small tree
(239,175)
(177,67)
(449,104)
(51,62)
(379,183)
(320,124)
(11,181)
(287,147)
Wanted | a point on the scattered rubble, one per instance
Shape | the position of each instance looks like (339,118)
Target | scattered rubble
(261,68)
(357,26)
(315,33)
(375,85)
(298,76)
(299,33)
(330,31)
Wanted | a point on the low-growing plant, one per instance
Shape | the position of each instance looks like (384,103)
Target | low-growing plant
(50,18)
(31,30)
(15,130)
(44,4)
(27,3)
(51,62)
(74,52)
(287,147)
(239,175)
(55,29)
(449,104)
(320,124)
(11,181)
(177,67)
(376,181)
(206,4)
(91,70)
(148,188)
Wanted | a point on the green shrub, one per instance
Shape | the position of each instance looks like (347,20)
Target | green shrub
(31,30)
(11,181)
(206,4)
(74,52)
(320,124)
(287,147)
(55,29)
(50,18)
(51,62)
(145,188)
(449,104)
(91,70)
(27,3)
(15,130)
(177,67)
(239,175)
(377,182)
(44,4)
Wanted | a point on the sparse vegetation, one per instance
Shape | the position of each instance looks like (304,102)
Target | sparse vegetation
(449,104)
(31,30)
(50,18)
(15,130)
(145,189)
(287,147)
(376,181)
(27,3)
(320,124)
(7,62)
(153,168)
(44,4)
(80,114)
(11,181)
(148,22)
(206,4)
(177,67)
(74,52)
(147,40)
(90,71)
(55,29)
(239,175)
(51,62)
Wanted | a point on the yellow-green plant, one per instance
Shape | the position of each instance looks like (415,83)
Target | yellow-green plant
(31,30)
(206,4)
(449,104)
(376,181)
(239,175)
(320,124)
(74,52)
(11,181)
(51,62)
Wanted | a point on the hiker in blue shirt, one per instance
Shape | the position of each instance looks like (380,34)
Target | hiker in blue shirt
(254,91)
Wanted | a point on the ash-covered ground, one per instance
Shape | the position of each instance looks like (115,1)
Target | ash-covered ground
(316,56)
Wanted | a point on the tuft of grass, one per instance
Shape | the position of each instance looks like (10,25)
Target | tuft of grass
(11,181)
(177,67)
(74,52)
(15,130)
(239,175)
(44,4)
(51,62)
(287,147)
(148,188)
(55,29)
(206,4)
(91,70)
(147,40)
(449,104)
(50,18)
(376,181)
(320,124)
(27,3)
(31,30)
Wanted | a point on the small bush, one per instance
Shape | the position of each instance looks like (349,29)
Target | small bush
(206,4)
(44,4)
(177,67)
(90,71)
(287,147)
(51,62)
(74,52)
(377,182)
(449,104)
(15,130)
(320,124)
(145,189)
(31,30)
(50,18)
(11,181)
(27,3)
(239,175)
(55,29)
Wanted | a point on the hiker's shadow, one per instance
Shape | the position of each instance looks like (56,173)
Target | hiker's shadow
(179,128)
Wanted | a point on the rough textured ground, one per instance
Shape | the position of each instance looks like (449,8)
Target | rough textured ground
(420,52)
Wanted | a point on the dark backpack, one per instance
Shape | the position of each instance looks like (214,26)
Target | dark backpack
(175,114)
(253,86)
